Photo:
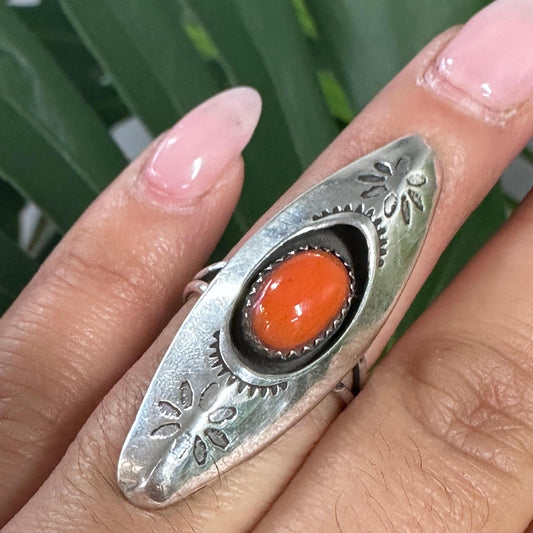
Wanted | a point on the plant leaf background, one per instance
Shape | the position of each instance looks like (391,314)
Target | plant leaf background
(70,70)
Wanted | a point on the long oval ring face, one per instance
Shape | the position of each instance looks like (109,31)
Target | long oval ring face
(281,324)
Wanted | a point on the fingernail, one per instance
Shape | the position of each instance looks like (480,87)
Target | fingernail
(487,68)
(191,156)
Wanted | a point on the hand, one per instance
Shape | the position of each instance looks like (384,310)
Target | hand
(439,439)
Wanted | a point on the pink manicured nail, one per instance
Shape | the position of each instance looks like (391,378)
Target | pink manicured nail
(191,156)
(488,66)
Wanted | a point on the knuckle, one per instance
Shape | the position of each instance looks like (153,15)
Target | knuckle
(404,486)
(452,436)
(474,393)
(129,276)
(32,400)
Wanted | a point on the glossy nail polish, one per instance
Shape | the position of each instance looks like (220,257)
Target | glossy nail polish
(487,68)
(192,155)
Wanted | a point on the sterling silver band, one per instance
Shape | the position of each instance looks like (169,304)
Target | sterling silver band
(198,285)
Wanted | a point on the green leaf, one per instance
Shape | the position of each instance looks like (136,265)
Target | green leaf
(296,125)
(46,177)
(281,68)
(199,37)
(16,268)
(527,154)
(476,231)
(368,42)
(48,23)
(304,18)
(510,204)
(147,54)
(315,63)
(336,99)
(53,148)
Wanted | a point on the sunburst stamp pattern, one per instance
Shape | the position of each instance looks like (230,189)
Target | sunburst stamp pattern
(223,371)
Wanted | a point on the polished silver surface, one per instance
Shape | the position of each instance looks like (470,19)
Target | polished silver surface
(212,403)
(198,285)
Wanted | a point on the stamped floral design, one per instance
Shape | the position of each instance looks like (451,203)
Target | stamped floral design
(376,179)
(395,187)
(408,200)
(202,406)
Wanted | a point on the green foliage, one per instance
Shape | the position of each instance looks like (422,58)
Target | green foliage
(146,52)
(70,69)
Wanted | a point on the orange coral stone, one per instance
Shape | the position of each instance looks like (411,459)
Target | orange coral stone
(299,300)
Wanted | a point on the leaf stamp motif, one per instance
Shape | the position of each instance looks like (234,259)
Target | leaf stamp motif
(416,199)
(217,437)
(406,210)
(168,409)
(374,191)
(166,430)
(200,451)
(379,185)
(416,180)
(370,178)
(383,166)
(191,407)
(390,204)
(186,395)
(208,396)
(403,165)
(222,414)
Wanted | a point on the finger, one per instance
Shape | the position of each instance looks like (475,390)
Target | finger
(472,153)
(441,437)
(111,285)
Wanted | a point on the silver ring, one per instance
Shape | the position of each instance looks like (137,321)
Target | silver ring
(243,367)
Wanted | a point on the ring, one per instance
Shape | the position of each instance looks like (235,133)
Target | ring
(278,326)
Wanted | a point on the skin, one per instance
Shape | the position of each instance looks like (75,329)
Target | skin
(439,438)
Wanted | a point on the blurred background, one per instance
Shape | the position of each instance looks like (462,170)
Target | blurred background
(85,85)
